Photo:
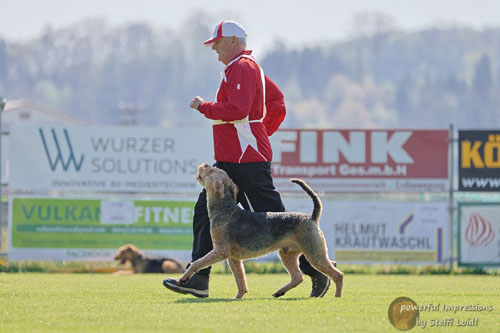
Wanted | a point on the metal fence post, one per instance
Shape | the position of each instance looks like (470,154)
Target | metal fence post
(2,104)
(450,196)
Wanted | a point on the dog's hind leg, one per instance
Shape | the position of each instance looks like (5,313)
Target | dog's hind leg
(290,259)
(239,276)
(317,254)
(212,257)
(325,266)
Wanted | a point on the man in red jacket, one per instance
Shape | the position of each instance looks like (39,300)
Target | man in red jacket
(249,107)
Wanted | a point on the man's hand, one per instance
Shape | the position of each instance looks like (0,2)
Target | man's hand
(196,102)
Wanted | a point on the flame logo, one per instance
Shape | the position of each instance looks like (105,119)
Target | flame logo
(479,231)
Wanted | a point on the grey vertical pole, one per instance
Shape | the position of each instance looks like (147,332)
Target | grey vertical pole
(450,195)
(2,104)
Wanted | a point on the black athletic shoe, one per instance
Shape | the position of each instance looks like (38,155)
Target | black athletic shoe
(197,285)
(320,284)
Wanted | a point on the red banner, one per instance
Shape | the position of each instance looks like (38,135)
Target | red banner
(362,160)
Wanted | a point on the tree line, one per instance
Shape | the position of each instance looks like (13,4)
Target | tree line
(380,78)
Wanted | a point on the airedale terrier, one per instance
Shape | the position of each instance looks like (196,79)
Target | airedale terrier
(142,264)
(238,234)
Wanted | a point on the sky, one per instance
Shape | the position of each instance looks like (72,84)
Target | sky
(295,22)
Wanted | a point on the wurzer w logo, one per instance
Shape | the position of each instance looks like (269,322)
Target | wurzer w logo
(479,231)
(65,156)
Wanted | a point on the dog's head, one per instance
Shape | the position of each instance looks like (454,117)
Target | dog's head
(216,180)
(126,253)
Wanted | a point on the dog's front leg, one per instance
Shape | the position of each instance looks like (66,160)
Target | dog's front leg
(212,257)
(188,273)
(239,276)
(290,260)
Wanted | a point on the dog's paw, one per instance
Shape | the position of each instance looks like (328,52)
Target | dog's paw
(278,294)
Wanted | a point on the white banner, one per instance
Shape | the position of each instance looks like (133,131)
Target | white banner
(108,159)
(382,232)
(479,234)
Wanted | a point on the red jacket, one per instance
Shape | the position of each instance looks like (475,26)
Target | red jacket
(240,130)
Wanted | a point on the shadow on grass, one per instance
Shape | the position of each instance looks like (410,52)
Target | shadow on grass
(228,300)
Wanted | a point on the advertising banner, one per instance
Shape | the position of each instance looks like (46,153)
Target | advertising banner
(108,159)
(362,160)
(44,228)
(92,229)
(383,232)
(161,160)
(479,234)
(479,160)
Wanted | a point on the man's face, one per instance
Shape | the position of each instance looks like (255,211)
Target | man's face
(225,49)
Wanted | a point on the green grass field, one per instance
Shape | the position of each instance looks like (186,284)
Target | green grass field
(103,302)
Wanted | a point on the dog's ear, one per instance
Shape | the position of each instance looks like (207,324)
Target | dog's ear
(235,191)
(219,188)
(131,247)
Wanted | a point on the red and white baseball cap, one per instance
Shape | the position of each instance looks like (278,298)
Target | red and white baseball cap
(227,29)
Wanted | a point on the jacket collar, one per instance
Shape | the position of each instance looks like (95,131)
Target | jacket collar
(238,56)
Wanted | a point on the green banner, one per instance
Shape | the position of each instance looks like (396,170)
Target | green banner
(101,224)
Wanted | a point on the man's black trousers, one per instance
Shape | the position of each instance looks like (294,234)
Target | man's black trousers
(255,183)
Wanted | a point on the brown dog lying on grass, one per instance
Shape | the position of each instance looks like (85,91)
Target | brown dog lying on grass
(142,264)
(238,234)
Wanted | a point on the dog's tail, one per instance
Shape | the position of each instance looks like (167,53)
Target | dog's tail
(317,202)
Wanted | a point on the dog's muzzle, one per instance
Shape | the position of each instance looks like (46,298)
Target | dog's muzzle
(201,168)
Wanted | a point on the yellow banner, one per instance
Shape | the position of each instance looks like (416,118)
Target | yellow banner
(346,255)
